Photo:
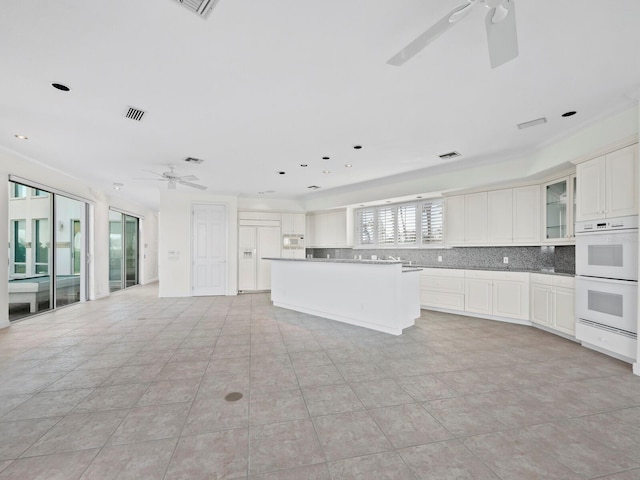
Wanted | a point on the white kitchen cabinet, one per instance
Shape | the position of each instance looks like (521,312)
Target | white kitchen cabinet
(478,295)
(526,214)
(500,294)
(559,205)
(454,220)
(442,288)
(293,223)
(327,229)
(476,216)
(608,185)
(254,243)
(553,302)
(500,216)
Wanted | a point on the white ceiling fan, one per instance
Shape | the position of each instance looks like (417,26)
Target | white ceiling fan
(500,25)
(174,179)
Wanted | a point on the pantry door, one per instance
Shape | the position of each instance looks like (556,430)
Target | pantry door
(209,252)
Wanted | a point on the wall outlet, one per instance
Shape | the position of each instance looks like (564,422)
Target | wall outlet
(439,258)
(505,259)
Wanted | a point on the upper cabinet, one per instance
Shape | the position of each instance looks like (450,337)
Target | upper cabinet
(510,216)
(559,210)
(293,223)
(608,185)
(328,229)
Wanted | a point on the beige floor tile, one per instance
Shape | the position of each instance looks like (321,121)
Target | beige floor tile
(318,376)
(210,455)
(331,399)
(16,437)
(59,466)
(381,393)
(154,422)
(48,404)
(170,391)
(281,446)
(113,397)
(380,466)
(310,472)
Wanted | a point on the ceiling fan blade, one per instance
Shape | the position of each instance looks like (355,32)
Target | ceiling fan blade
(155,173)
(444,24)
(188,178)
(151,179)
(192,185)
(502,36)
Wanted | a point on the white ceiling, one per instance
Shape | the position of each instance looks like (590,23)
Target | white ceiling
(263,86)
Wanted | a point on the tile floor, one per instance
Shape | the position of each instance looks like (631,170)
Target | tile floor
(133,387)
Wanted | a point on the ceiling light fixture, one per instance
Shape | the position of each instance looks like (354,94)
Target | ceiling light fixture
(326,171)
(117,186)
(60,86)
(21,137)
(314,187)
(282,173)
(569,114)
(357,147)
(325,158)
(447,156)
(304,165)
(348,165)
(197,161)
(532,123)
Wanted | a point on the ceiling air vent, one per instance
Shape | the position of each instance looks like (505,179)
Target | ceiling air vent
(200,7)
(532,123)
(447,156)
(193,160)
(314,187)
(135,114)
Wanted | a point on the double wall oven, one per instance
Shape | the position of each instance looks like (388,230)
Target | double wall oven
(607,285)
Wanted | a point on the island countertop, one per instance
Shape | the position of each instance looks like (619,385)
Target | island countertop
(337,260)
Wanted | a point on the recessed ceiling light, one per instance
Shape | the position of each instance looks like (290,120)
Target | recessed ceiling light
(348,165)
(418,197)
(362,205)
(325,158)
(117,186)
(446,156)
(60,86)
(326,171)
(21,137)
(304,165)
(569,114)
(281,173)
(388,201)
(357,147)
(197,161)
(266,192)
(314,187)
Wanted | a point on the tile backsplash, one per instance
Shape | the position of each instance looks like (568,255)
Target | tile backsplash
(560,258)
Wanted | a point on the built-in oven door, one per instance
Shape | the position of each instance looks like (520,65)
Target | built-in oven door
(608,254)
(609,302)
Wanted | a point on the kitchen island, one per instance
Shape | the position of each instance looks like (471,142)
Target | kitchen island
(378,294)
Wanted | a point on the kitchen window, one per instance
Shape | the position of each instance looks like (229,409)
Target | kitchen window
(415,224)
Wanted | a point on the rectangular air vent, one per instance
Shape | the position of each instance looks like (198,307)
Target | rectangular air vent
(200,7)
(532,123)
(135,114)
(447,156)
(193,160)
(314,187)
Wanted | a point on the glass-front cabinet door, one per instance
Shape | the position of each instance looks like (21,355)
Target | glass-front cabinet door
(560,208)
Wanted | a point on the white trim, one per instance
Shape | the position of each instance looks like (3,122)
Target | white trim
(126,212)
(612,147)
(636,368)
(46,188)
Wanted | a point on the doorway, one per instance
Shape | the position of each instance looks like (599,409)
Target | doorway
(123,250)
(209,249)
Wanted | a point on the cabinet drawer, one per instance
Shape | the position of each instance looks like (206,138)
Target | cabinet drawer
(453,301)
(542,279)
(511,276)
(443,272)
(566,282)
(606,340)
(478,274)
(442,284)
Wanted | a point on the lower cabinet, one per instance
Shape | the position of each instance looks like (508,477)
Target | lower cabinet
(553,302)
(500,294)
(442,288)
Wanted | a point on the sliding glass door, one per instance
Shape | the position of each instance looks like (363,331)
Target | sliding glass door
(123,250)
(46,250)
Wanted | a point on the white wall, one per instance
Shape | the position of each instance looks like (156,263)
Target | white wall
(175,236)
(14,164)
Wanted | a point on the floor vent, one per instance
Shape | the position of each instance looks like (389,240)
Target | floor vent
(447,156)
(135,114)
(200,7)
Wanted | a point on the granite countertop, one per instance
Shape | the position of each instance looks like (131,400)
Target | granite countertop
(340,260)
(547,271)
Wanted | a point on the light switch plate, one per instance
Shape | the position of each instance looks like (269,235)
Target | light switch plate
(505,259)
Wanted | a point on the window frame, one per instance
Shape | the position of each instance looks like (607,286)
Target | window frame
(372,231)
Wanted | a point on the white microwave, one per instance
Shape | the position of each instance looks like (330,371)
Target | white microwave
(292,241)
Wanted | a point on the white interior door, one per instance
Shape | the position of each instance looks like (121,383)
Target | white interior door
(209,252)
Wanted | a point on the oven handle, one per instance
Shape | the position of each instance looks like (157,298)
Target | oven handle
(607,280)
(608,232)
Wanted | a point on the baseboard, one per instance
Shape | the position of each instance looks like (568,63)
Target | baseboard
(636,368)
